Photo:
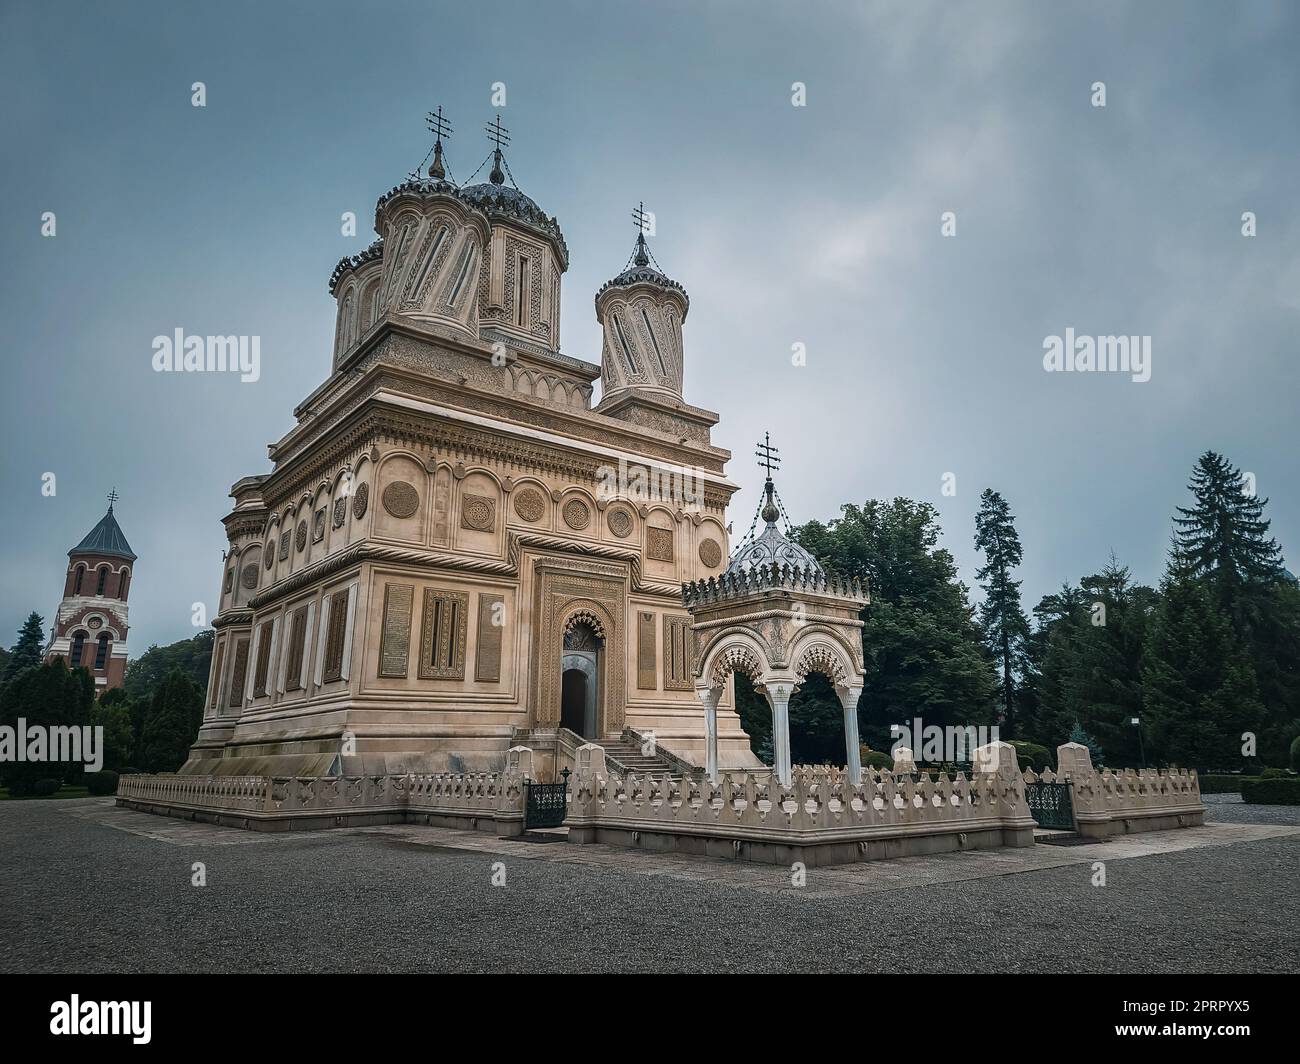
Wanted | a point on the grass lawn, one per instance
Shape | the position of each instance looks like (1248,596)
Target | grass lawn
(62,792)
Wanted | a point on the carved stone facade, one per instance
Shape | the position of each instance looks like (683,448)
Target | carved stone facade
(426,632)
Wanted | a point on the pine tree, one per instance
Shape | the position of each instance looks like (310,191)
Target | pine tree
(1004,622)
(1222,537)
(1078,735)
(27,651)
(171,724)
(1198,686)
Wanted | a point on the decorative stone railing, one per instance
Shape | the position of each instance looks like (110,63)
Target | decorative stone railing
(820,817)
(293,802)
(772,577)
(1107,802)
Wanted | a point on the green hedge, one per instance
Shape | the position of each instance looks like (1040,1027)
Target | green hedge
(1271,792)
(1223,784)
(1032,755)
(101,782)
(44,788)
(875,759)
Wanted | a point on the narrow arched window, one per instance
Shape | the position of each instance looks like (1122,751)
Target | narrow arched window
(103,579)
(81,573)
(78,645)
(101,652)
(121,584)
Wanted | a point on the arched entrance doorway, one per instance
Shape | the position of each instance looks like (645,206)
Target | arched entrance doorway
(580,669)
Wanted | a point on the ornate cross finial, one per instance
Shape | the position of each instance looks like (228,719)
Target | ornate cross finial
(113,496)
(767,455)
(767,459)
(440,128)
(499,135)
(639,216)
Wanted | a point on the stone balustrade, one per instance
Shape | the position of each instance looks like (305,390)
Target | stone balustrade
(1108,802)
(773,577)
(293,803)
(820,817)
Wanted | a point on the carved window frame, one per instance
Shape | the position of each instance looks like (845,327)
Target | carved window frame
(443,630)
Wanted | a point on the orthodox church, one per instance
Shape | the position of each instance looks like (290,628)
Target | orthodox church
(90,625)
(455,550)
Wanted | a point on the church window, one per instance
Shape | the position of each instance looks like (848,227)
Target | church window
(101,652)
(103,579)
(677,654)
(460,278)
(442,639)
(521,292)
(627,351)
(121,584)
(650,329)
(418,287)
(81,573)
(78,645)
(263,658)
(216,675)
(297,641)
(239,675)
(335,632)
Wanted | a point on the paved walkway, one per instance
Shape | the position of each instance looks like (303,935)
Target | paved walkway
(85,886)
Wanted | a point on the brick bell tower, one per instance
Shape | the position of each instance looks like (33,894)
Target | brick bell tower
(91,624)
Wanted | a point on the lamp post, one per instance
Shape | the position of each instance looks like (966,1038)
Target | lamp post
(1137,723)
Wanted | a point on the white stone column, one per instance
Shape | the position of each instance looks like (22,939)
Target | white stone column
(852,748)
(710,696)
(778,697)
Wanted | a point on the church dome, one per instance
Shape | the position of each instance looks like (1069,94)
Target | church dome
(502,201)
(769,548)
(640,271)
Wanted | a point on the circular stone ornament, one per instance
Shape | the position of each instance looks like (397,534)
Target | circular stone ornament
(478,514)
(620,522)
(248,577)
(360,501)
(300,536)
(710,553)
(268,554)
(340,511)
(94,622)
(577,514)
(400,499)
(529,504)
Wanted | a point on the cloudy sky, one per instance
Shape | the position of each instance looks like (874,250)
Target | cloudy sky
(816,225)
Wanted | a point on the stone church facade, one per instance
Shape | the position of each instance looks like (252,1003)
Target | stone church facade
(456,551)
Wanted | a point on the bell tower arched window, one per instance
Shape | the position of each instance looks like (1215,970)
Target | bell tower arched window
(81,574)
(78,645)
(103,579)
(101,652)
(122,582)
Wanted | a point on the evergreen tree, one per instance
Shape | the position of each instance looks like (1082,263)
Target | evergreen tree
(1078,735)
(26,652)
(114,716)
(44,696)
(1004,622)
(1222,537)
(924,652)
(171,724)
(145,674)
(1199,688)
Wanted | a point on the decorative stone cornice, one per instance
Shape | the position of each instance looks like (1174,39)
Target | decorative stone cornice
(743,583)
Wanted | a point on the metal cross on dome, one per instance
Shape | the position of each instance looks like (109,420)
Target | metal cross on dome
(438,125)
(113,496)
(768,455)
(497,133)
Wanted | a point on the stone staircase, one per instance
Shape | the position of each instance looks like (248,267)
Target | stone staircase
(624,756)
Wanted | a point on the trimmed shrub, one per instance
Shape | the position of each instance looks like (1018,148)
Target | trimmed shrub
(1271,792)
(875,759)
(1295,754)
(1272,773)
(1222,784)
(102,782)
(20,788)
(44,788)
(1033,755)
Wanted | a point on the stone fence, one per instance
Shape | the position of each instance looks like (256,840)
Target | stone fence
(482,800)
(1109,803)
(820,817)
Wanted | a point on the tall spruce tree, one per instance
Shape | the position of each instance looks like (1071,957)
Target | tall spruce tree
(171,724)
(27,651)
(1223,538)
(1004,622)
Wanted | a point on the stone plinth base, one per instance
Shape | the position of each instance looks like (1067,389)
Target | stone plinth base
(1132,823)
(810,852)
